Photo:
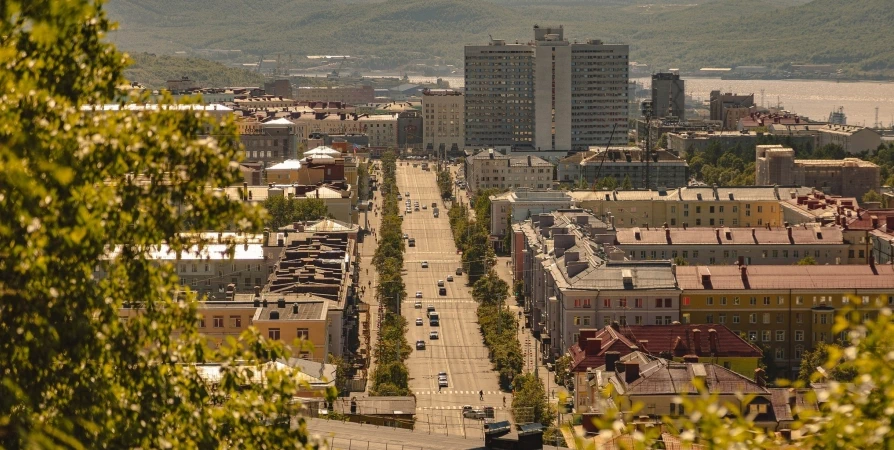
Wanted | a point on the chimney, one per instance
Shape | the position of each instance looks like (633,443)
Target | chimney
(264,303)
(741,261)
(616,326)
(631,372)
(257,291)
(281,303)
(791,239)
(874,221)
(594,346)
(257,302)
(712,340)
(294,308)
(717,235)
(692,359)
(697,338)
(792,398)
(582,340)
(529,160)
(611,360)
(889,222)
(685,225)
(759,377)
(872,264)
(667,235)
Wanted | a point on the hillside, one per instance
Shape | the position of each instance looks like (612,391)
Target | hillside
(662,33)
(153,70)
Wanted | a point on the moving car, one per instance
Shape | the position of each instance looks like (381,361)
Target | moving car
(433,335)
(406,236)
(459,270)
(473,414)
(408,194)
(442,291)
(440,283)
(425,264)
(430,309)
(418,304)
(424,206)
(442,383)
(418,294)
(450,278)
(419,321)
(420,345)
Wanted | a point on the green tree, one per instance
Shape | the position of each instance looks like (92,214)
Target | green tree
(529,402)
(680,261)
(83,189)
(626,184)
(806,261)
(507,237)
(824,359)
(608,183)
(282,211)
(490,289)
(871,196)
(519,289)
(563,370)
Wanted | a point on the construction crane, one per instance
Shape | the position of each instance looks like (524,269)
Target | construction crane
(334,74)
(260,61)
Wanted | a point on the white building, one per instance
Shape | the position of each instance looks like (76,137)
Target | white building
(492,169)
(548,94)
(443,120)
(381,130)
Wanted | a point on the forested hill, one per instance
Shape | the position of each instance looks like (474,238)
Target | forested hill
(153,70)
(663,33)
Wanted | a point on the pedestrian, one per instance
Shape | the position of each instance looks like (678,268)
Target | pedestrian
(504,401)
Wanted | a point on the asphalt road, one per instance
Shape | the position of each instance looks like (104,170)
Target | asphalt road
(459,351)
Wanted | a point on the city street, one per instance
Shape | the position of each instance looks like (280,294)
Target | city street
(459,350)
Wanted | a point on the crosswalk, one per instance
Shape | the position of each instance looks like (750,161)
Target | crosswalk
(448,391)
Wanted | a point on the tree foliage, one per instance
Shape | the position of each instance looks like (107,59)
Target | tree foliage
(806,261)
(283,211)
(76,184)
(152,71)
(445,183)
(529,403)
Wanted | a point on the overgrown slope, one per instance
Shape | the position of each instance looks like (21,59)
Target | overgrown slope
(153,70)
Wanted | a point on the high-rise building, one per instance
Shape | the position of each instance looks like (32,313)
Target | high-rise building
(668,96)
(547,94)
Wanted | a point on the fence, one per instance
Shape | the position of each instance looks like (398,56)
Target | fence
(337,443)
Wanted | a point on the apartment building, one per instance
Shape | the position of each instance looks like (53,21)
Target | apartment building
(492,169)
(352,95)
(546,94)
(338,197)
(668,96)
(852,138)
(763,246)
(786,308)
(270,141)
(659,169)
(264,101)
(521,204)
(729,107)
(699,141)
(695,206)
(850,177)
(443,115)
(381,130)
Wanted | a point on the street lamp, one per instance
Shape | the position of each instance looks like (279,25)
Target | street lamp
(646,109)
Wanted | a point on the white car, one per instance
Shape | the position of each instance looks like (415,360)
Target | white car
(418,294)
(425,264)
(449,277)
(419,321)
(424,206)
(434,335)
(406,236)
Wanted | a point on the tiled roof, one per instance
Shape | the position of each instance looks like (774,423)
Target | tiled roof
(664,377)
(678,339)
(787,277)
(801,235)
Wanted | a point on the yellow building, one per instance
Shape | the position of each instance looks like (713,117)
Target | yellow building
(692,206)
(785,309)
(286,318)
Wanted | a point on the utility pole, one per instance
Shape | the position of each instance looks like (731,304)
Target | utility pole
(647,113)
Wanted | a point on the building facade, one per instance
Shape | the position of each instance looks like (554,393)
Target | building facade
(352,95)
(850,177)
(492,169)
(521,204)
(668,96)
(271,141)
(722,103)
(443,115)
(547,94)
(664,169)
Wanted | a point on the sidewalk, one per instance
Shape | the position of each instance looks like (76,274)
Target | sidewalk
(369,276)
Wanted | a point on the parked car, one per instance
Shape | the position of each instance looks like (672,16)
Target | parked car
(419,321)
(473,414)
(424,206)
(459,270)
(420,345)
(406,236)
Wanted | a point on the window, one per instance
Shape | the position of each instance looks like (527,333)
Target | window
(685,301)
(587,303)
(218,321)
(668,303)
(202,322)
(765,335)
(760,208)
(698,209)
(273,333)
(799,318)
(799,300)
(606,303)
(722,317)
(638,303)
(658,303)
(752,336)
(780,318)
(799,336)
(780,300)
(752,318)
(622,302)
(735,318)
(752,301)
(766,317)
(735,300)
(303,333)
(577,303)
(622,321)
(586,321)
(723,301)
(799,350)
(709,301)
(195,267)
(667,320)
(822,319)
(606,321)
(657,320)
(709,318)
(780,353)
(638,320)
(236,321)
(766,300)
(577,320)
(698,222)
(780,335)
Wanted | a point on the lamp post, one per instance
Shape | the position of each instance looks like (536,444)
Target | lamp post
(647,113)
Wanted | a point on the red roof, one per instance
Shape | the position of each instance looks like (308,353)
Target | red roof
(678,339)
(786,277)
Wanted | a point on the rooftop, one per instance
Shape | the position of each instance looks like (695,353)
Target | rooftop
(851,277)
(800,235)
